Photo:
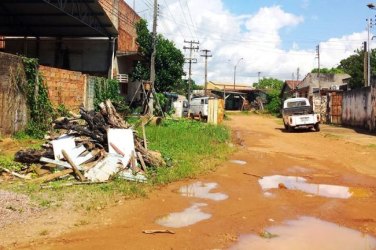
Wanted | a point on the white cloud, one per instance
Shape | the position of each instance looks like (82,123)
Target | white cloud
(254,37)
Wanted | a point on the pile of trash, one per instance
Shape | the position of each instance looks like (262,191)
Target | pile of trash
(94,147)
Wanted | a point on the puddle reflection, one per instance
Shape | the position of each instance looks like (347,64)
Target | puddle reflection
(202,190)
(308,233)
(239,162)
(189,216)
(299,183)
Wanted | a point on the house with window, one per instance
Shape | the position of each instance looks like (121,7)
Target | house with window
(315,87)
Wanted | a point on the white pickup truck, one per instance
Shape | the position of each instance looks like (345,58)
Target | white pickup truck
(298,113)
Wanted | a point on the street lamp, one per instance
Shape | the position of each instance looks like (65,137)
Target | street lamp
(235,71)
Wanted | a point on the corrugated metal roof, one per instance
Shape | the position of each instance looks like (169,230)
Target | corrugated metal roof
(57,18)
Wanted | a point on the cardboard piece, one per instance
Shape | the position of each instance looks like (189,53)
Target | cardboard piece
(105,168)
(63,142)
(123,140)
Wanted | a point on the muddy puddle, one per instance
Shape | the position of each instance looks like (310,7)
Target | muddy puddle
(300,183)
(309,234)
(203,191)
(187,217)
(238,162)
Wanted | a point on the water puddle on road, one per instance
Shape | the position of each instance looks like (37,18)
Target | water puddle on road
(238,162)
(189,216)
(307,233)
(300,183)
(202,190)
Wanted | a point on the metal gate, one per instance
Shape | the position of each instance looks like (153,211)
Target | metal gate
(335,107)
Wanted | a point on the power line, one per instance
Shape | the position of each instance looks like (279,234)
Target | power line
(173,17)
(185,20)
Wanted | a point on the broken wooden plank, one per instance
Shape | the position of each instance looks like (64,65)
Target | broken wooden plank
(53,176)
(143,165)
(70,184)
(144,136)
(158,231)
(74,167)
(254,175)
(24,177)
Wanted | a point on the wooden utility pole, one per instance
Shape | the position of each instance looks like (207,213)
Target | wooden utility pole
(318,64)
(206,55)
(152,60)
(365,63)
(190,60)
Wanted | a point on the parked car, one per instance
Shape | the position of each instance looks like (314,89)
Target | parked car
(298,113)
(199,107)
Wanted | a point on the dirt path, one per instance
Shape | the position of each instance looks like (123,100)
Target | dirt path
(240,206)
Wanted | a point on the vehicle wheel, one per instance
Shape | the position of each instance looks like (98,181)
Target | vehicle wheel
(286,126)
(290,129)
(317,127)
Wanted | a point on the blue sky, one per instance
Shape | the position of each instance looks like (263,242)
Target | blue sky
(274,37)
(323,19)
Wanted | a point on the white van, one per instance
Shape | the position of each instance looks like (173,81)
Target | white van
(199,107)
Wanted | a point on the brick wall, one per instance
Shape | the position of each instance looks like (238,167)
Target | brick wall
(13,109)
(127,30)
(65,87)
(124,18)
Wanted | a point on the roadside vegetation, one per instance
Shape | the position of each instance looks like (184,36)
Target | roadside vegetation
(189,147)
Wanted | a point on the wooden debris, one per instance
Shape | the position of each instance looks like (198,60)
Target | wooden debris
(30,156)
(254,175)
(53,176)
(90,131)
(141,159)
(70,184)
(165,231)
(144,136)
(74,167)
(24,177)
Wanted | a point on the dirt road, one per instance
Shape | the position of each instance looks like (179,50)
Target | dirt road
(229,208)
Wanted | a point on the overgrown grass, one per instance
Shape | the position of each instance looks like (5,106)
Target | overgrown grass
(7,162)
(190,147)
(194,147)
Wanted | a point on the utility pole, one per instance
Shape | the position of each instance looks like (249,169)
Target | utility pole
(152,61)
(318,63)
(369,26)
(259,74)
(190,60)
(206,55)
(154,43)
(365,62)
(236,65)
(297,74)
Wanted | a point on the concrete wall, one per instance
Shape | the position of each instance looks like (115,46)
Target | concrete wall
(65,87)
(358,108)
(92,56)
(13,108)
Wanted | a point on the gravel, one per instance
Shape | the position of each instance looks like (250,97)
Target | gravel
(15,208)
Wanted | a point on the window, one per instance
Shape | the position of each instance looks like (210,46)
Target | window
(202,101)
(296,104)
(206,101)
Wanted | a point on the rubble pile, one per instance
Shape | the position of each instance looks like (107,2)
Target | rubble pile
(92,146)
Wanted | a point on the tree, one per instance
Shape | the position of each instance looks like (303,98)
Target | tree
(273,89)
(328,71)
(269,83)
(354,66)
(169,60)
